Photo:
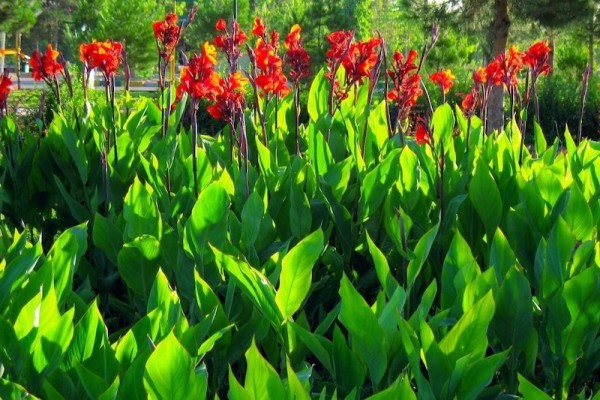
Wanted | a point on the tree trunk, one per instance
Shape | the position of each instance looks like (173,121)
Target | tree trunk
(591,43)
(500,34)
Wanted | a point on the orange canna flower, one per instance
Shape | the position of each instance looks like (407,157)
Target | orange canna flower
(469,102)
(45,67)
(296,57)
(480,76)
(199,78)
(445,79)
(230,101)
(406,87)
(221,25)
(106,56)
(360,60)
(258,27)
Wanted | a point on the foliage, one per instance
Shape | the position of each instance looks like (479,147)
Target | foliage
(338,274)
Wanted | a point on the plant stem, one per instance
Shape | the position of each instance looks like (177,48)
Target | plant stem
(193,108)
(297,117)
(112,115)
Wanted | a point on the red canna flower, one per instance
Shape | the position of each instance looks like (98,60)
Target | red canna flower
(230,41)
(339,43)
(494,73)
(270,78)
(296,57)
(505,67)
(258,27)
(167,34)
(406,87)
(106,56)
(45,67)
(199,78)
(5,88)
(537,57)
(230,101)
(221,25)
(469,102)
(445,79)
(422,134)
(360,60)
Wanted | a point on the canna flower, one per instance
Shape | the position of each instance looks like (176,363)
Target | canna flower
(230,101)
(270,78)
(445,79)
(106,56)
(480,76)
(537,57)
(494,73)
(422,134)
(258,27)
(45,67)
(230,41)
(406,83)
(199,78)
(469,102)
(167,34)
(339,43)
(296,57)
(360,60)
(5,88)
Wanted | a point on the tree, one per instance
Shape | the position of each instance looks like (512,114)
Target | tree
(19,16)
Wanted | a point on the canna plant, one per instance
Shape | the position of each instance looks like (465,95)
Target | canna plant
(437,266)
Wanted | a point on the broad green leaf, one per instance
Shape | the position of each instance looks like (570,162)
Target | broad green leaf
(530,391)
(207,223)
(369,343)
(460,268)
(13,391)
(107,237)
(376,184)
(421,253)
(64,258)
(318,345)
(300,216)
(137,263)
(469,335)
(140,212)
(296,273)
(349,371)
(502,258)
(387,280)
(17,270)
(478,375)
(400,389)
(578,214)
(253,284)
(169,372)
(318,96)
(485,197)
(443,125)
(236,391)
(262,381)
(252,215)
(540,140)
(296,390)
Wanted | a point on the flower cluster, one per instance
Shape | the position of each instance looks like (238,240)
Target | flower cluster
(199,78)
(106,56)
(269,76)
(45,67)
(230,100)
(5,87)
(296,56)
(405,81)
(230,40)
(167,34)
(537,57)
(445,79)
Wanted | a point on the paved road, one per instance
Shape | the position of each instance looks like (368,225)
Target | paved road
(27,83)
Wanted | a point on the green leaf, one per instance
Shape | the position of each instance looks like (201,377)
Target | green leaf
(578,214)
(469,335)
(208,222)
(300,214)
(376,184)
(64,258)
(295,388)
(140,212)
(318,345)
(540,140)
(370,343)
(460,268)
(530,391)
(421,253)
(502,258)
(252,214)
(318,96)
(107,237)
(387,280)
(169,372)
(478,375)
(137,263)
(400,389)
(253,284)
(443,125)
(296,273)
(262,382)
(485,197)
